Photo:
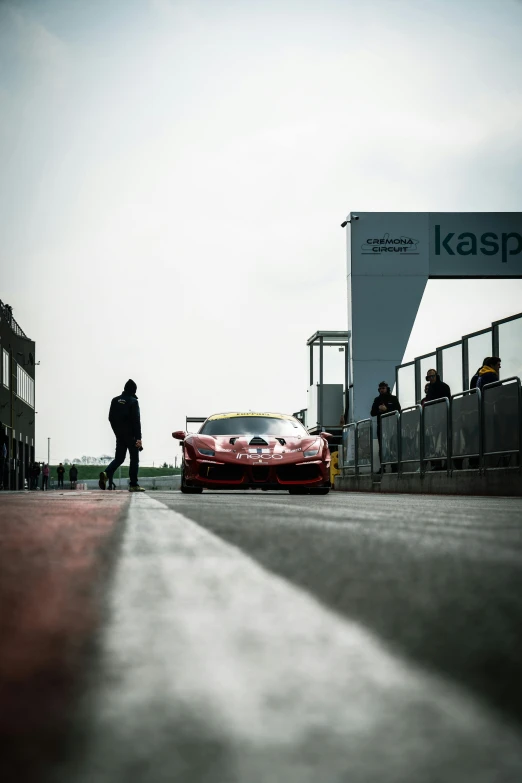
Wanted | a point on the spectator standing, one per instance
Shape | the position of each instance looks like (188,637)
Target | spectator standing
(73,476)
(437,387)
(489,372)
(61,472)
(124,416)
(35,474)
(385,402)
(45,476)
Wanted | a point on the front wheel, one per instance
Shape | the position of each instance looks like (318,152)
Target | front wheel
(187,490)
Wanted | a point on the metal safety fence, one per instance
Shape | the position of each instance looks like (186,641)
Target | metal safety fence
(357,447)
(478,429)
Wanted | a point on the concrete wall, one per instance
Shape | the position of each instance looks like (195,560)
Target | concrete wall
(156,482)
(501,481)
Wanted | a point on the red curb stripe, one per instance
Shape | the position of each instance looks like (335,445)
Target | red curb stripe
(52,567)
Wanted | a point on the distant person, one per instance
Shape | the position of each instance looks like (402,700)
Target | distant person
(124,416)
(73,476)
(61,472)
(35,474)
(45,476)
(437,388)
(489,372)
(385,402)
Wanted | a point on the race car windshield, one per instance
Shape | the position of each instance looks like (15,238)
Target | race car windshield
(253,425)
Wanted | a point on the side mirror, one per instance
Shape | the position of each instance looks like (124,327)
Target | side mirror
(327,435)
(179,434)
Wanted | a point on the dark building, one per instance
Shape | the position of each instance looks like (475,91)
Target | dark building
(17,413)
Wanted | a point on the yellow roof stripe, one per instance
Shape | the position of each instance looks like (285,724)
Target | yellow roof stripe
(249,413)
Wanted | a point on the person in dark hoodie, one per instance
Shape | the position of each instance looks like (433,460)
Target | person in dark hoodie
(437,387)
(384,403)
(489,372)
(124,416)
(473,381)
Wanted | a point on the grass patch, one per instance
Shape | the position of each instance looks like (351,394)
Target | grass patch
(93,471)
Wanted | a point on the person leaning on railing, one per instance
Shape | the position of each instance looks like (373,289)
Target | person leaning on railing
(385,402)
(437,387)
(489,372)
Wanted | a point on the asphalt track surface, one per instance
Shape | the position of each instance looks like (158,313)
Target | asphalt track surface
(261,637)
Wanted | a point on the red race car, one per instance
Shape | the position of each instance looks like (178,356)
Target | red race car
(255,451)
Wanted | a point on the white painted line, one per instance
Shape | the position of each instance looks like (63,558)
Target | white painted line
(215,670)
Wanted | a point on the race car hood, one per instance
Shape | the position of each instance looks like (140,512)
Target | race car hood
(251,444)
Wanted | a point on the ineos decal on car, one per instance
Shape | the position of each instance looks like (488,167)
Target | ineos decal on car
(259,456)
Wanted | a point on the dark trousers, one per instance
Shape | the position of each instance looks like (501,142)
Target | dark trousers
(119,459)
(60,481)
(45,482)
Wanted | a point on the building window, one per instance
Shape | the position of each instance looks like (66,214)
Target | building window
(5,368)
(24,386)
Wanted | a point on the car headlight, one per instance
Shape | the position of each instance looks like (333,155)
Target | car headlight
(207,452)
(310,453)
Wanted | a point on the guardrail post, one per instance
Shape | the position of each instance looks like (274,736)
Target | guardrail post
(421,441)
(399,443)
(449,438)
(481,432)
(356,448)
(371,448)
(483,421)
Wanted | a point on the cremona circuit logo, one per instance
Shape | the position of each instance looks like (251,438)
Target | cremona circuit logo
(388,244)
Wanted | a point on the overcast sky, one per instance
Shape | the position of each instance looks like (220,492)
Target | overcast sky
(174,175)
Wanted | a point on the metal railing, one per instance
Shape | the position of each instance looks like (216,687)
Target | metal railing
(507,403)
(483,426)
(364,443)
(494,341)
(349,444)
(390,451)
(356,455)
(436,433)
(466,427)
(411,436)
(6,314)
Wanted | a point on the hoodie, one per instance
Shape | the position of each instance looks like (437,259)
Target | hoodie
(437,389)
(486,375)
(124,415)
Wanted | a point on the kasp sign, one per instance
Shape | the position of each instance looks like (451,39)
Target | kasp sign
(475,244)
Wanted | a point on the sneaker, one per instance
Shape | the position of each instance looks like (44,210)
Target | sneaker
(137,488)
(103,480)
